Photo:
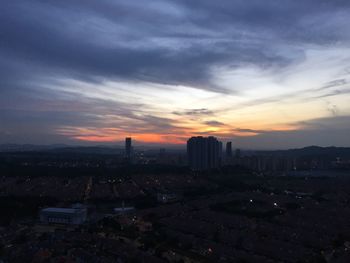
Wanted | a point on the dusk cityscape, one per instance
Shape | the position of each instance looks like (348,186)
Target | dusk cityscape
(175,131)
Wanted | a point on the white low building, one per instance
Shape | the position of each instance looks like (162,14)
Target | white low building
(69,216)
(124,210)
(168,197)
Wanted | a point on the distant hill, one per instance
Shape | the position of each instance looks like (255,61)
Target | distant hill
(312,151)
(97,149)
(88,150)
(60,148)
(28,147)
(117,149)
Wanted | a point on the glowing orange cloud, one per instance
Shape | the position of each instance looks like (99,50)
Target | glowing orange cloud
(148,138)
(96,138)
(178,136)
(113,135)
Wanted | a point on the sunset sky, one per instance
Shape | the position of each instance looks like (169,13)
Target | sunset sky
(262,74)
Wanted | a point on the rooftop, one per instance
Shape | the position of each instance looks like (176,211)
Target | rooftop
(60,210)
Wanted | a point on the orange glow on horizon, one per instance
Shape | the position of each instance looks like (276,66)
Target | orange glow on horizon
(146,138)
(179,136)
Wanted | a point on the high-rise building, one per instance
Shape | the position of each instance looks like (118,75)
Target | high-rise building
(228,150)
(128,148)
(204,153)
(238,153)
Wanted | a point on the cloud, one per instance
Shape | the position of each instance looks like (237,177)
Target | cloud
(333,109)
(335,83)
(250,131)
(97,66)
(327,124)
(332,131)
(120,40)
(214,123)
(194,112)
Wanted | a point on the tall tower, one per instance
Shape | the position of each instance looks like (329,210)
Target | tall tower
(238,153)
(128,148)
(228,150)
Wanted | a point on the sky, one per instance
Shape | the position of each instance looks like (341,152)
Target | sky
(270,74)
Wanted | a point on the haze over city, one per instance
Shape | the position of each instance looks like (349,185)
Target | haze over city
(262,74)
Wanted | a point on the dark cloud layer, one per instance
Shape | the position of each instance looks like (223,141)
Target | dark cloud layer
(161,42)
(214,123)
(67,37)
(194,112)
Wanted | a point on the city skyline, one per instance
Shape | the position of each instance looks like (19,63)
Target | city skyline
(271,75)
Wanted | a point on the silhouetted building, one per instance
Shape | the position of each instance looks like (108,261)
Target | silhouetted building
(162,152)
(238,153)
(204,153)
(228,149)
(128,148)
